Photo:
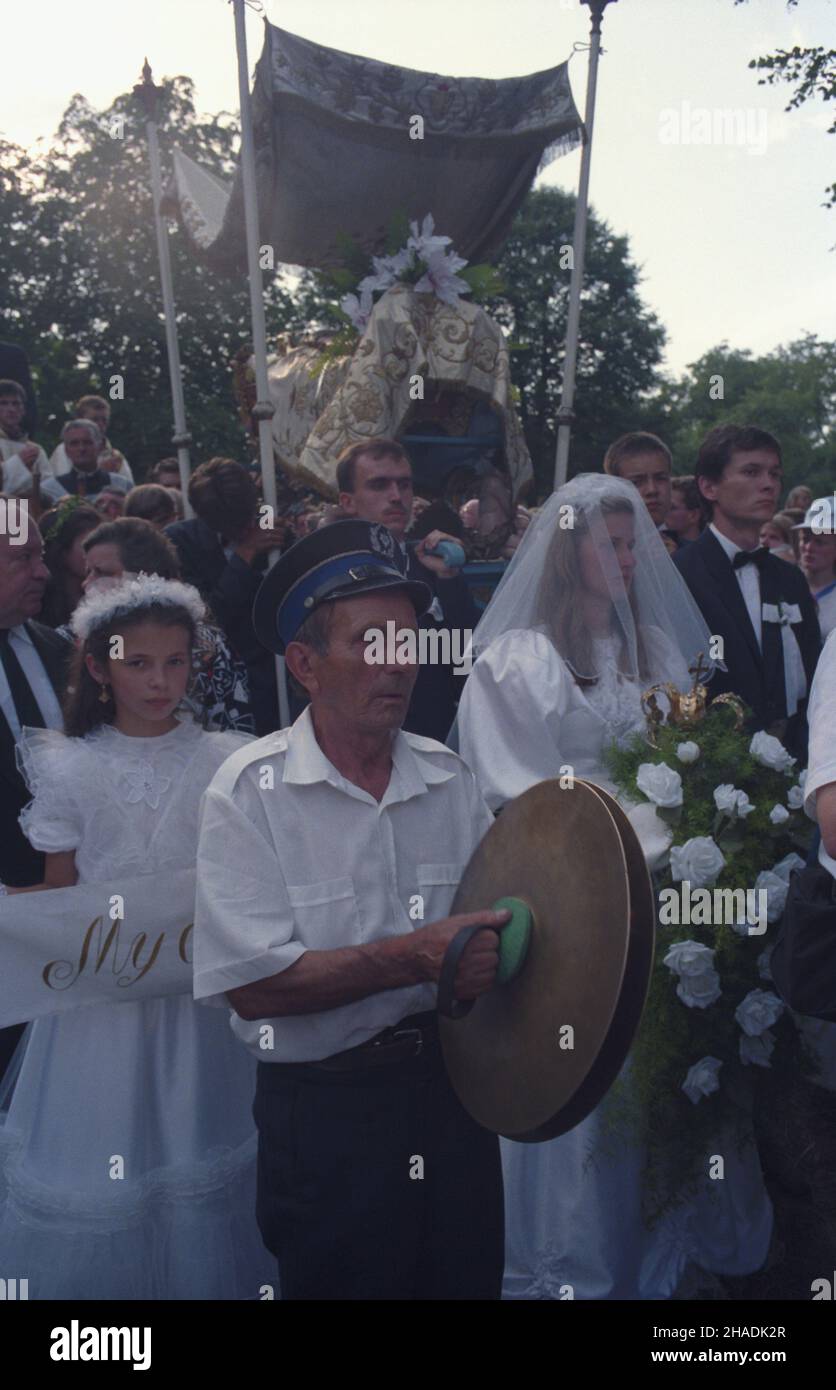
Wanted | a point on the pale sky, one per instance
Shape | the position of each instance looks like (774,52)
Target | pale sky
(731,236)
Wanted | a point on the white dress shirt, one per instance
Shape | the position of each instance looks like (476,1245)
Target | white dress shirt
(315,863)
(821,716)
(33,669)
(826,609)
(749,580)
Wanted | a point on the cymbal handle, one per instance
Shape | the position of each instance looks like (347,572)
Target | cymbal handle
(447,1003)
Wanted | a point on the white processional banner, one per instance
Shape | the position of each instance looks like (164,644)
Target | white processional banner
(97,943)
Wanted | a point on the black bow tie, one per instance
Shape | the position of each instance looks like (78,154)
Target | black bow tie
(750,557)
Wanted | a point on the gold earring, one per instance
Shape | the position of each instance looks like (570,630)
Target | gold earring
(104,695)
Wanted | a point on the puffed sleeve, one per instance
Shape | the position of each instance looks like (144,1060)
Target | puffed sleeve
(49,763)
(509,715)
(821,716)
(243,916)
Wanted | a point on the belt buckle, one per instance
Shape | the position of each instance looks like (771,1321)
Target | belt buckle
(401,1034)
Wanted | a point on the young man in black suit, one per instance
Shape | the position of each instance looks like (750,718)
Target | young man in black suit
(759,605)
(33,674)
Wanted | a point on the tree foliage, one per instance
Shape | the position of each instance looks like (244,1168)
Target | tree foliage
(810,72)
(79,259)
(621,340)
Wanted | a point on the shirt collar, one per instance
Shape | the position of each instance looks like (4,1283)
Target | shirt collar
(305,763)
(729,547)
(21,634)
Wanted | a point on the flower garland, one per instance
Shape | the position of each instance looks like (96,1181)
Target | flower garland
(714,1034)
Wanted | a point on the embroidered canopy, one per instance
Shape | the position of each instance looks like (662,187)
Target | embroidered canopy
(344,144)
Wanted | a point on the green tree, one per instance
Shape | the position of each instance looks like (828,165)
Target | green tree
(791,392)
(621,340)
(80,263)
(810,72)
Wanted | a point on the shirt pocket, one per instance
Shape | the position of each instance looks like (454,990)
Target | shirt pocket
(325,914)
(437,884)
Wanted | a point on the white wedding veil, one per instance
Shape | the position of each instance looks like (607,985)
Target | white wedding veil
(589,522)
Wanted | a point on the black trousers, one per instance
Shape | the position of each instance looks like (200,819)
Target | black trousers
(377,1184)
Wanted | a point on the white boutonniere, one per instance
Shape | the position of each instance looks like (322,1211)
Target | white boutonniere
(783,613)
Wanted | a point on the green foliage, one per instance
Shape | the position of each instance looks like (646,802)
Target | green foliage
(621,340)
(790,392)
(78,260)
(650,1102)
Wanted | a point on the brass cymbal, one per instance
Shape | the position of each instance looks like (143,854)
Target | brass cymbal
(534,1056)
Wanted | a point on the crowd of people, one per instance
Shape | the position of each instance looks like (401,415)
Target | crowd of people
(154,761)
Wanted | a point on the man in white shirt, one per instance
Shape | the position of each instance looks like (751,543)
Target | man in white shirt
(22,459)
(82,441)
(759,605)
(329,855)
(96,409)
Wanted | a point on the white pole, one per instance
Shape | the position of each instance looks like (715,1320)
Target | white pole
(147,93)
(263,408)
(565,414)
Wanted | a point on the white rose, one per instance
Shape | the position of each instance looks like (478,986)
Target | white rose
(698,991)
(756,1051)
(654,835)
(764,969)
(785,866)
(776,893)
(770,752)
(660,784)
(731,801)
(758,1011)
(702,1079)
(687,752)
(779,815)
(795,798)
(689,958)
(699,860)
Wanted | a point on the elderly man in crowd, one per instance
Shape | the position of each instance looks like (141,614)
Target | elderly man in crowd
(97,409)
(82,441)
(329,854)
(23,461)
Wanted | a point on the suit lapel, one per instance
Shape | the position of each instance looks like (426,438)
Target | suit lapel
(723,577)
(53,654)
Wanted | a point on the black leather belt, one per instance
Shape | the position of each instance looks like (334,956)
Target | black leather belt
(409,1038)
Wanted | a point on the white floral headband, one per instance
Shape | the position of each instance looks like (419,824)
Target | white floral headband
(103,605)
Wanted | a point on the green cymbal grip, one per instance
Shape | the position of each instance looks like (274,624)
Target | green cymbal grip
(513,938)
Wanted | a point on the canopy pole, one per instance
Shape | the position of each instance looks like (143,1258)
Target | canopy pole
(565,414)
(147,93)
(263,410)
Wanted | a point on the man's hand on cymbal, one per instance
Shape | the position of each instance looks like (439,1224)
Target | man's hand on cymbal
(480,959)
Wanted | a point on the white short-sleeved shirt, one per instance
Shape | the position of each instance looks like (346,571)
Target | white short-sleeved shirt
(821,716)
(313,862)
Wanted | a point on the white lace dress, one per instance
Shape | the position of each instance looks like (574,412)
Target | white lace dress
(574,1206)
(162,1082)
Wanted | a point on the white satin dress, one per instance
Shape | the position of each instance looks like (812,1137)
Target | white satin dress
(574,1225)
(160,1083)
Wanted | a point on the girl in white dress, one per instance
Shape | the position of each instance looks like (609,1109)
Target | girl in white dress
(160,1082)
(591,612)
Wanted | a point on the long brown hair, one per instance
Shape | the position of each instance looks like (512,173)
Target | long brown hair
(558,608)
(83,708)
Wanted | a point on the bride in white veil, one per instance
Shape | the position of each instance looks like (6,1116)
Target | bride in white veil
(590,612)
